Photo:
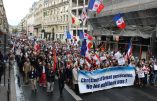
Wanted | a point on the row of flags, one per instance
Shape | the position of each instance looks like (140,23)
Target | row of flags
(82,35)
(95,6)
(118,19)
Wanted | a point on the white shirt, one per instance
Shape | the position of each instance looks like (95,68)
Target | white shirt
(155,67)
(43,69)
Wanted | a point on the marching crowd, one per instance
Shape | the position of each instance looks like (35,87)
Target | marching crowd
(42,62)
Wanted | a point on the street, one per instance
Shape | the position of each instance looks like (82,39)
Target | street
(42,96)
(115,94)
(123,94)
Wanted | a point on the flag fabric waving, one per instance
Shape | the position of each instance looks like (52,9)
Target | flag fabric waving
(119,21)
(129,52)
(96,58)
(81,34)
(84,15)
(100,8)
(68,35)
(96,5)
(54,60)
(75,20)
(84,47)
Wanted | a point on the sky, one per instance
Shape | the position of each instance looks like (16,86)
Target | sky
(17,10)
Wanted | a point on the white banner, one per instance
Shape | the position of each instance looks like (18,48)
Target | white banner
(105,78)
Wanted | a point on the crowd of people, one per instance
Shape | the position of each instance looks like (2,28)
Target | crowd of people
(42,62)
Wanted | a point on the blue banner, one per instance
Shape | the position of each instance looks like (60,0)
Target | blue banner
(105,78)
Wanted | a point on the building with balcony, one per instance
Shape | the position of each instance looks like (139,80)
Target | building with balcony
(30,22)
(4,27)
(55,19)
(38,18)
(23,25)
(76,7)
(141,20)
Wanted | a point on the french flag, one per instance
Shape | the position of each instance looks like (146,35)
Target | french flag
(69,35)
(129,52)
(96,58)
(95,5)
(87,36)
(119,21)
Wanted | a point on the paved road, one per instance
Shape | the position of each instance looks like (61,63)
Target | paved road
(41,94)
(123,94)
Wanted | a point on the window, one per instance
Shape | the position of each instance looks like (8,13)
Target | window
(60,36)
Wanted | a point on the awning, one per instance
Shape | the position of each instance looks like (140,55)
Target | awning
(142,23)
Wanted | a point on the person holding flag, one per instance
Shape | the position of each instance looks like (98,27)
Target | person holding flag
(129,51)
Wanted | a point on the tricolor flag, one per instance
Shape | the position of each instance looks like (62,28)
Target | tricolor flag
(89,45)
(96,5)
(69,35)
(119,21)
(87,36)
(96,58)
(84,47)
(129,52)
(84,16)
(81,34)
(36,46)
(75,20)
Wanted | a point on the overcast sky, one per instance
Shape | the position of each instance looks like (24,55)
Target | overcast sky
(17,9)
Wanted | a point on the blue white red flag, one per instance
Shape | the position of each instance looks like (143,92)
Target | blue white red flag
(93,5)
(96,5)
(84,15)
(84,47)
(69,35)
(119,21)
(81,34)
(129,52)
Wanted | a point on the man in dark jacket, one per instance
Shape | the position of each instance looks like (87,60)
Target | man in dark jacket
(33,78)
(50,75)
(61,79)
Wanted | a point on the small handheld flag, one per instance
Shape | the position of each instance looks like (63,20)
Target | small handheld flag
(129,52)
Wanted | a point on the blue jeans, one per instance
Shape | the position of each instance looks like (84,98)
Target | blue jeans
(155,79)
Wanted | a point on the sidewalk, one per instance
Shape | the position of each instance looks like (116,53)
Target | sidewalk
(3,93)
(4,89)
